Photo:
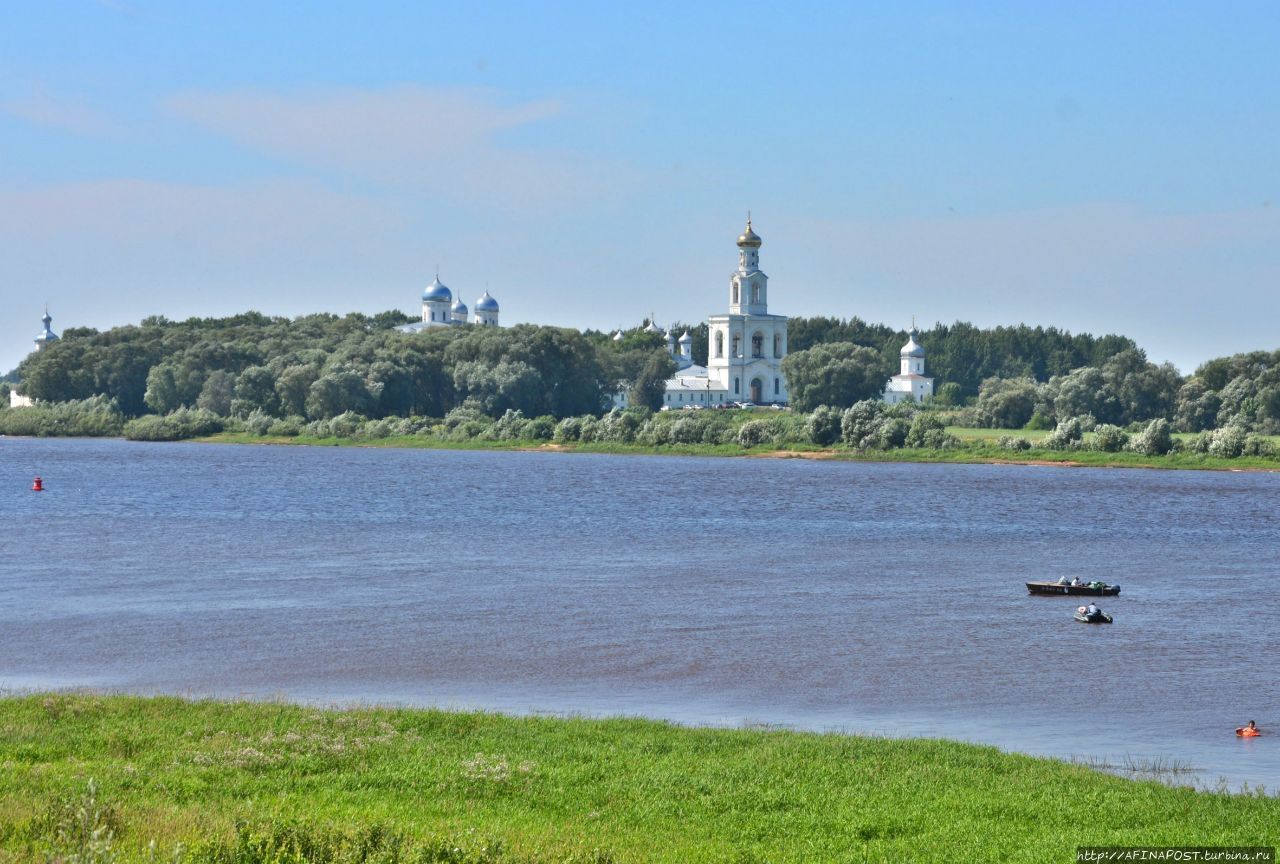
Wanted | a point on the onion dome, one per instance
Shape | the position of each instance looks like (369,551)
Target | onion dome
(486,303)
(652,328)
(458,307)
(617,337)
(437,292)
(748,238)
(686,339)
(46,335)
(912,348)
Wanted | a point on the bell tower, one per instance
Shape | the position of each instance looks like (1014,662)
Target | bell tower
(748,285)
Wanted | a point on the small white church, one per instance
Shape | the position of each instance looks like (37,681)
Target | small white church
(911,382)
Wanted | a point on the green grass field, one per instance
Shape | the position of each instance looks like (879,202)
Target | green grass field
(241,782)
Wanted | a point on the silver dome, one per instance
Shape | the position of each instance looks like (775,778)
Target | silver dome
(437,291)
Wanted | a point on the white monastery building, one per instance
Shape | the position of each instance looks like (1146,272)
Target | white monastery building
(911,382)
(440,309)
(744,348)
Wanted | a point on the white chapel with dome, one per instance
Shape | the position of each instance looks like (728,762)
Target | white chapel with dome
(911,382)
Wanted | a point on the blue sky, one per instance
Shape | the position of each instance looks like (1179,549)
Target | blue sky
(1100,167)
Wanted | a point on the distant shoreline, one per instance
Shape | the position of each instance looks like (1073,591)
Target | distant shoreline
(967,455)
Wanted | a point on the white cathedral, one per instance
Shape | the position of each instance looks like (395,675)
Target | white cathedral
(440,309)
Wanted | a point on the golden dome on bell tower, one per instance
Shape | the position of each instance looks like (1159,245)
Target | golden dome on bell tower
(749,238)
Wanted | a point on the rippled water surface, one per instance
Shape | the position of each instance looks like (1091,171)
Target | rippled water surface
(883,598)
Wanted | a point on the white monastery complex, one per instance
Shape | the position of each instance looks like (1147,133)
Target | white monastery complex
(745,346)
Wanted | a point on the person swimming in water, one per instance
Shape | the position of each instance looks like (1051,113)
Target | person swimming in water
(1249,731)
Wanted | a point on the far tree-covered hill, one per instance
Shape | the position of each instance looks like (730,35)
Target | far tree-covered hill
(320,366)
(324,365)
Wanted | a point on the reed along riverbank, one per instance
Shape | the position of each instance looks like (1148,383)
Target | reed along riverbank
(144,779)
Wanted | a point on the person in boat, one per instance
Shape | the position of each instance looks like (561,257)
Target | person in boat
(1062,580)
(1075,581)
(1092,610)
(1249,731)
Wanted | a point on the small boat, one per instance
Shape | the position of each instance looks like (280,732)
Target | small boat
(1098,617)
(1091,589)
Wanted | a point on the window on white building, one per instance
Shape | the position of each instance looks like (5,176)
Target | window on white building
(757,344)
(737,346)
(755,293)
(777,344)
(736,391)
(719,344)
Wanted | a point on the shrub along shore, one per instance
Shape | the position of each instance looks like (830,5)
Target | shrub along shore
(144,779)
(869,430)
(978,451)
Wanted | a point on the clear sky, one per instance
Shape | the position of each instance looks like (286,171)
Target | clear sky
(1099,166)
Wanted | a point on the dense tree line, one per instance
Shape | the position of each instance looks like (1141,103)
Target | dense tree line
(962,356)
(1242,391)
(321,366)
(1011,377)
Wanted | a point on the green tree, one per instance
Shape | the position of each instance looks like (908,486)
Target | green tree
(1196,408)
(162,395)
(505,386)
(217,393)
(650,384)
(837,374)
(1155,440)
(1084,391)
(860,423)
(823,426)
(293,386)
(337,392)
(255,390)
(1007,403)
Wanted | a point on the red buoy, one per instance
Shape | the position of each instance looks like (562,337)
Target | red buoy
(37,485)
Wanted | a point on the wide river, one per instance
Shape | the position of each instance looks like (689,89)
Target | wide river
(876,598)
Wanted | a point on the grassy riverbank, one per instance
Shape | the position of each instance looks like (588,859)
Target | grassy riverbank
(977,446)
(417,785)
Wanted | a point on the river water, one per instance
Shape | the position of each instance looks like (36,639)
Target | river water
(876,598)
